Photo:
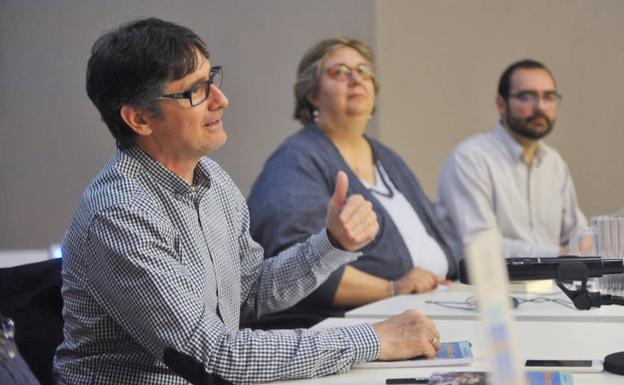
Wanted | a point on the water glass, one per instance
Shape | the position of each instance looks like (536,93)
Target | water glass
(609,232)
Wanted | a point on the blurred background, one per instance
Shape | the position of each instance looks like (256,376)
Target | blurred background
(438,63)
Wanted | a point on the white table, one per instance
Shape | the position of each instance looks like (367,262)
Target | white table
(536,339)
(11,258)
(528,311)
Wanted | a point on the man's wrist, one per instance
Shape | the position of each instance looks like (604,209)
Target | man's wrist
(335,256)
(333,241)
(365,341)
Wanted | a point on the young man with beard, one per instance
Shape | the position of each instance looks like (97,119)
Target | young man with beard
(508,178)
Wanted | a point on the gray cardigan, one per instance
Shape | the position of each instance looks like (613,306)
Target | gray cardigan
(289,200)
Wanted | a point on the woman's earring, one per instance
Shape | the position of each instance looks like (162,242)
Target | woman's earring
(315,115)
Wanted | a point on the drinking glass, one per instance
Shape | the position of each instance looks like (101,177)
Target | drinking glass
(609,231)
(583,242)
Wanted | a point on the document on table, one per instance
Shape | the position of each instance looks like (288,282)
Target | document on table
(450,354)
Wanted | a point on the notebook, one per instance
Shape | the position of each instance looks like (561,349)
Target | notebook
(479,378)
(450,354)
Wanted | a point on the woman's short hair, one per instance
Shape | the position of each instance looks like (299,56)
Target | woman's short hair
(309,72)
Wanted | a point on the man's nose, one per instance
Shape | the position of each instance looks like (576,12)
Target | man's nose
(540,104)
(217,98)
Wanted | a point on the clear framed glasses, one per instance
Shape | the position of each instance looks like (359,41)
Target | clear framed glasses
(200,91)
(343,72)
(550,98)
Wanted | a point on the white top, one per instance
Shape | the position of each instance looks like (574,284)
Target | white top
(486,184)
(424,250)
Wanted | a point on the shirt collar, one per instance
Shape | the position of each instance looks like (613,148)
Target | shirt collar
(515,150)
(165,177)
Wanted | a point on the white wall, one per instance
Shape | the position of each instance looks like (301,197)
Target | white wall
(51,140)
(439,65)
(440,62)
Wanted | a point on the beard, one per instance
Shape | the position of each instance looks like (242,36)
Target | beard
(521,126)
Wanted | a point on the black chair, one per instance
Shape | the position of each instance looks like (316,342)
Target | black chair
(31,296)
(13,369)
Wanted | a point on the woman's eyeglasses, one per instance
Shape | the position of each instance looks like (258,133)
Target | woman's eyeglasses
(343,72)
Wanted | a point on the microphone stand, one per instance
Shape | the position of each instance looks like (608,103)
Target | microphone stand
(583,299)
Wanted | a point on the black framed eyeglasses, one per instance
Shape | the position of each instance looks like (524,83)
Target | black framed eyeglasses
(533,97)
(199,91)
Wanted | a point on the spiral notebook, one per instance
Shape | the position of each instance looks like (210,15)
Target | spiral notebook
(450,354)
(480,378)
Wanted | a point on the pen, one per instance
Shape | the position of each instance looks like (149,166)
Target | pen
(398,381)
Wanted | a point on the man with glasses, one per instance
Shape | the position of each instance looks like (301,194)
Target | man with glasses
(158,263)
(508,178)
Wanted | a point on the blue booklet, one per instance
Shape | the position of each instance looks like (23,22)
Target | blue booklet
(479,378)
(554,378)
(449,354)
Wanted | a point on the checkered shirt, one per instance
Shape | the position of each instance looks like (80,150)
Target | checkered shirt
(151,263)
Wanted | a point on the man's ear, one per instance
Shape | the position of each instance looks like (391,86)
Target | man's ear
(135,119)
(501,105)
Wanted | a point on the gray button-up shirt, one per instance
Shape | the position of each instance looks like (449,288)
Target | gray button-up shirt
(486,183)
(151,263)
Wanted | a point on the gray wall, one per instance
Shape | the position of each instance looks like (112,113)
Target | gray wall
(51,140)
(439,64)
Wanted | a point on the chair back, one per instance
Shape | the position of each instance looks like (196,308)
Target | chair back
(31,296)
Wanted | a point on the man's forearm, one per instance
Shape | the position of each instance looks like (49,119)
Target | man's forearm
(248,356)
(294,273)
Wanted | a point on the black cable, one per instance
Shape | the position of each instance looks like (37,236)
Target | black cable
(542,299)
(470,303)
(453,305)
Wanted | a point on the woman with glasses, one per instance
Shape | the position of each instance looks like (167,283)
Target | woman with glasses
(413,253)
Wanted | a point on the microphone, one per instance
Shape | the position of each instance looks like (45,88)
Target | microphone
(530,269)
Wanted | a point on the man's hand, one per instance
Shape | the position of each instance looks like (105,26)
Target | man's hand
(351,221)
(418,280)
(407,335)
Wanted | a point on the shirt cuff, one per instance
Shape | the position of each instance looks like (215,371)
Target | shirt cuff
(366,343)
(328,253)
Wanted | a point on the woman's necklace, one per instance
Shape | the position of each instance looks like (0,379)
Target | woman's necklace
(388,191)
